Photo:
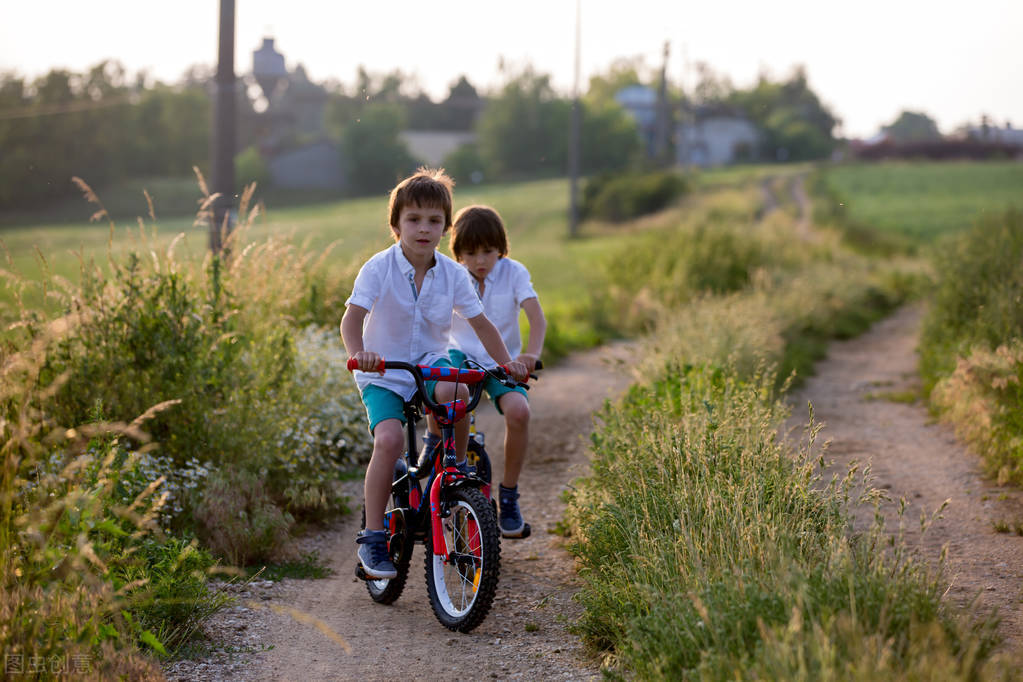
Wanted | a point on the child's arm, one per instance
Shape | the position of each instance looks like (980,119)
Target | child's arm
(537,331)
(351,335)
(494,345)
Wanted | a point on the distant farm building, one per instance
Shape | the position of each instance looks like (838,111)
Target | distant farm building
(709,138)
(1000,135)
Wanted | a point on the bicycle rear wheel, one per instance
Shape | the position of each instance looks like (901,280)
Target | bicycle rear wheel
(462,585)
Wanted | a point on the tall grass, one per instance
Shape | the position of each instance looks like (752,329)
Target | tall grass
(712,549)
(970,355)
(137,419)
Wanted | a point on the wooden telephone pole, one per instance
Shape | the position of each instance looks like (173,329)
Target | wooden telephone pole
(574,138)
(224,132)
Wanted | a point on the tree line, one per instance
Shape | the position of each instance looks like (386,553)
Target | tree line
(108,125)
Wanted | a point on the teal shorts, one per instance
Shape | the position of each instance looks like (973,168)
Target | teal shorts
(494,388)
(383,403)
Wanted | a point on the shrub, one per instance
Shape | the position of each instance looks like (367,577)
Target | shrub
(465,165)
(978,298)
(249,167)
(214,342)
(208,357)
(173,598)
(88,578)
(616,198)
(239,521)
(983,399)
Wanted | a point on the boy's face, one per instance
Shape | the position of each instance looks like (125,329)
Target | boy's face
(480,262)
(419,230)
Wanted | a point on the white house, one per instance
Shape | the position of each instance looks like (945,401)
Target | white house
(716,139)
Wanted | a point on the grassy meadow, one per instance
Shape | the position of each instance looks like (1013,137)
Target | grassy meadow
(924,201)
(708,549)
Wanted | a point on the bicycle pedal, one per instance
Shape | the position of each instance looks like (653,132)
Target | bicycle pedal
(360,572)
(526,530)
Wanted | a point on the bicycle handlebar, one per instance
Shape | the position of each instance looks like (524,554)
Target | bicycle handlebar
(472,377)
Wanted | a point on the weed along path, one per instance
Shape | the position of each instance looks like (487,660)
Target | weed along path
(329,629)
(913,458)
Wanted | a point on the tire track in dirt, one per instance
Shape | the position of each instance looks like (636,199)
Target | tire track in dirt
(525,636)
(919,460)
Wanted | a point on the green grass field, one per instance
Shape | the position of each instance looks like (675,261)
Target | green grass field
(535,214)
(924,200)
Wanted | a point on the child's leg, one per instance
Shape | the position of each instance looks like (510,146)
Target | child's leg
(388,442)
(515,407)
(445,392)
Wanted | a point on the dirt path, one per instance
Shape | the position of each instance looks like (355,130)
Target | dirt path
(914,458)
(329,629)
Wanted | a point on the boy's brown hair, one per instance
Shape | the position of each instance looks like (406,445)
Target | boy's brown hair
(427,188)
(478,227)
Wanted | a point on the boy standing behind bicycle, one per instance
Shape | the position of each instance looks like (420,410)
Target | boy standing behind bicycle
(401,308)
(479,242)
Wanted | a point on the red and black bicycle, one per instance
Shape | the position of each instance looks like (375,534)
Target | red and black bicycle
(446,509)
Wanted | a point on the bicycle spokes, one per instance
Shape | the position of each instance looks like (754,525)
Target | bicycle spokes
(462,582)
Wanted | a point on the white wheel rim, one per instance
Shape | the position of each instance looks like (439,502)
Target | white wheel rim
(455,591)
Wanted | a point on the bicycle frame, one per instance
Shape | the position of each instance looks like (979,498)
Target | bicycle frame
(439,470)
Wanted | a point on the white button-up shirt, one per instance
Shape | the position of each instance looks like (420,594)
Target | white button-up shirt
(406,325)
(505,288)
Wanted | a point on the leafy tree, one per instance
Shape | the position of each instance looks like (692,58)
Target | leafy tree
(623,72)
(523,131)
(711,88)
(374,155)
(912,126)
(796,125)
(462,105)
(609,139)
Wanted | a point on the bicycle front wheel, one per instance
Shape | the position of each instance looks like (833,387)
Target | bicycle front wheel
(462,584)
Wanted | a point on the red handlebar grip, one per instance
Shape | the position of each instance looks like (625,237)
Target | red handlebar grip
(353,364)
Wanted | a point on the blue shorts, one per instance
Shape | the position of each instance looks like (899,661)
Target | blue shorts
(383,403)
(494,388)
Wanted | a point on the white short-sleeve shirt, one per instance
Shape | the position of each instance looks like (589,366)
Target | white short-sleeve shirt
(505,289)
(403,325)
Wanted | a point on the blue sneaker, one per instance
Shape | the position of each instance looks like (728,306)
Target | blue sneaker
(432,441)
(509,517)
(373,556)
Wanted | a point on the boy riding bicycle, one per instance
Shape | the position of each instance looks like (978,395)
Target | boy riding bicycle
(401,308)
(480,244)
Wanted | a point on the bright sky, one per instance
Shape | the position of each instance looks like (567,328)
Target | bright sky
(867,60)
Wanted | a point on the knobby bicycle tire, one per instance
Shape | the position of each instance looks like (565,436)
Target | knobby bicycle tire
(462,591)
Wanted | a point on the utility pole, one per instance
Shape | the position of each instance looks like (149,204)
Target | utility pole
(224,131)
(573,137)
(663,119)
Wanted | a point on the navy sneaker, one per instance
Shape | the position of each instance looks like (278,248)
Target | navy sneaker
(432,441)
(509,517)
(373,556)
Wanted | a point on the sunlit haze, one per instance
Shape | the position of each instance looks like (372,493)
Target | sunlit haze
(866,60)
